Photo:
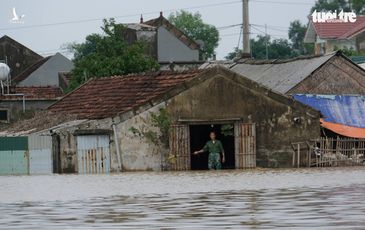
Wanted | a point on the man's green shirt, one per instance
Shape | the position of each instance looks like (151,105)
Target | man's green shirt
(215,147)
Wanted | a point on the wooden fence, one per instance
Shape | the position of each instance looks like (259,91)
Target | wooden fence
(327,152)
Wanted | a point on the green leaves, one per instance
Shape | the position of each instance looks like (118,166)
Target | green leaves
(108,55)
(358,6)
(194,27)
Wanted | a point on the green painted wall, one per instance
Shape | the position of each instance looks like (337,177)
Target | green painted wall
(13,155)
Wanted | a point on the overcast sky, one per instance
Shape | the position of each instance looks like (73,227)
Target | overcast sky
(47,24)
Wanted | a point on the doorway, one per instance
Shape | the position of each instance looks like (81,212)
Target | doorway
(199,135)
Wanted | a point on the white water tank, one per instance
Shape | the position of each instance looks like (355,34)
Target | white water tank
(4,71)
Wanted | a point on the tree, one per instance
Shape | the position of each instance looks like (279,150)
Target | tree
(276,49)
(194,27)
(236,53)
(296,35)
(358,6)
(331,5)
(108,55)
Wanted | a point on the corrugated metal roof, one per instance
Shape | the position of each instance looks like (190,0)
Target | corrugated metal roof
(341,109)
(281,76)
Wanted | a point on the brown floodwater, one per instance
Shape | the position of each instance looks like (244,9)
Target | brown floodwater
(329,198)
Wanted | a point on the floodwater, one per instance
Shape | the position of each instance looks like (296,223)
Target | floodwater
(328,198)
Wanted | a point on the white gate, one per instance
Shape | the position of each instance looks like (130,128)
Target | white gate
(93,154)
(40,154)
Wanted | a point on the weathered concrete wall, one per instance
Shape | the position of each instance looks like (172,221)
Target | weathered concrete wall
(68,144)
(68,151)
(360,42)
(332,45)
(138,152)
(47,74)
(221,98)
(171,49)
(337,76)
(29,104)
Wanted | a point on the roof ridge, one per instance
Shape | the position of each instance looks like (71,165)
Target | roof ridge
(282,61)
(150,74)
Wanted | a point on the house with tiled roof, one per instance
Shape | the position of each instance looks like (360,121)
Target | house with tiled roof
(16,55)
(332,73)
(34,82)
(154,121)
(167,44)
(329,36)
(329,74)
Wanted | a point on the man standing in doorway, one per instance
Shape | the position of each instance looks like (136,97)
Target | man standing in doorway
(214,147)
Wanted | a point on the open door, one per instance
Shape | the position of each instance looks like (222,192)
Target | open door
(180,147)
(245,145)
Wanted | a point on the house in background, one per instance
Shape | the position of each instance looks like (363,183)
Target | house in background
(329,74)
(17,56)
(333,74)
(167,44)
(329,36)
(44,72)
(35,83)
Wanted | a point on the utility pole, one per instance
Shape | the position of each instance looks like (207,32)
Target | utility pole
(246,29)
(266,41)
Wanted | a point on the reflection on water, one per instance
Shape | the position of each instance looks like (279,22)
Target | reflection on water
(302,199)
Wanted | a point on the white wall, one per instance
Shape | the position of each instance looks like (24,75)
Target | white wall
(138,153)
(171,49)
(47,74)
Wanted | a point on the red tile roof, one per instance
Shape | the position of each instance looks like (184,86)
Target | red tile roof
(34,93)
(108,97)
(339,30)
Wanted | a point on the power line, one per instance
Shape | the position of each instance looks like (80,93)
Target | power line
(229,26)
(117,17)
(282,2)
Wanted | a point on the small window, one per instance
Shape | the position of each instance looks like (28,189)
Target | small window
(4,115)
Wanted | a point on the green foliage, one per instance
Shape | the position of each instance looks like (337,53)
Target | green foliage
(349,51)
(296,35)
(277,48)
(151,136)
(108,55)
(160,120)
(236,53)
(331,5)
(163,122)
(227,130)
(194,27)
(358,6)
(135,131)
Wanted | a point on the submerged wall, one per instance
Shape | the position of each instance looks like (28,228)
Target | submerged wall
(279,121)
(221,98)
